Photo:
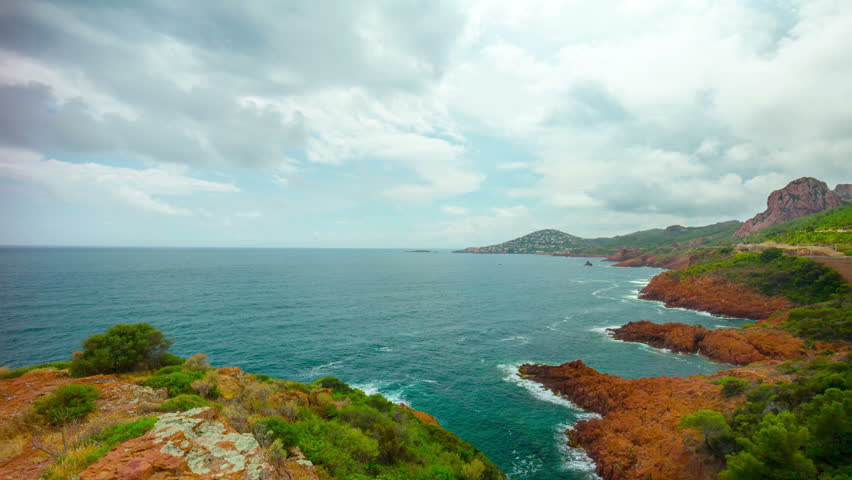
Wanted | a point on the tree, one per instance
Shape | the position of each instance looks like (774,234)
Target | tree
(122,348)
(717,433)
(776,450)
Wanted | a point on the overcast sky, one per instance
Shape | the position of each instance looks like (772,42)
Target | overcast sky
(410,124)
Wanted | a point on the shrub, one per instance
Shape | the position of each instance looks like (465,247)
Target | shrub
(20,371)
(108,439)
(731,385)
(122,348)
(718,436)
(197,362)
(829,322)
(170,359)
(176,383)
(170,369)
(277,429)
(67,403)
(335,384)
(184,402)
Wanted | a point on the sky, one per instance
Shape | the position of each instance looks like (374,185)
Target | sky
(437,124)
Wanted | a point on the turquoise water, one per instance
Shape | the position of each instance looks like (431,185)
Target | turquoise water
(443,332)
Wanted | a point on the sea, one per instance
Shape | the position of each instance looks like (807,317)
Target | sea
(439,331)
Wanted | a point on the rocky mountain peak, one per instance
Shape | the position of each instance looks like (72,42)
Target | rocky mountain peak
(801,197)
(844,191)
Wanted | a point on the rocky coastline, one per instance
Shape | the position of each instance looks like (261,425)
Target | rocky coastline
(638,436)
(713,294)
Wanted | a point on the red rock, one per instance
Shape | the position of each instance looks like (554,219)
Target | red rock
(422,416)
(799,198)
(736,346)
(844,191)
(197,444)
(714,294)
(638,436)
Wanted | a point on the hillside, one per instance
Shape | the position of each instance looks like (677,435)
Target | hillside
(125,409)
(675,236)
(829,228)
(542,241)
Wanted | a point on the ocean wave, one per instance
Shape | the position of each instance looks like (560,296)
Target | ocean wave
(316,371)
(574,459)
(641,281)
(537,391)
(385,389)
(604,330)
(523,466)
(384,349)
(522,340)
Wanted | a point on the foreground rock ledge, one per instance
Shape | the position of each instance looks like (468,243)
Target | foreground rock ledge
(638,437)
(196,444)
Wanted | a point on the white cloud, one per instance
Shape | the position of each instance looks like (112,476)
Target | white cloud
(513,166)
(93,183)
(454,210)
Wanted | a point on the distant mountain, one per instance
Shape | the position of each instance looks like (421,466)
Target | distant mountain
(675,234)
(844,191)
(801,197)
(542,241)
(554,241)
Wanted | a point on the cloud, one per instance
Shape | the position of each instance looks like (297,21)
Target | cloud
(454,210)
(659,110)
(90,183)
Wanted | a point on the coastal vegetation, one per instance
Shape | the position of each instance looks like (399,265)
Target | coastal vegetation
(830,228)
(797,430)
(123,348)
(344,433)
(773,273)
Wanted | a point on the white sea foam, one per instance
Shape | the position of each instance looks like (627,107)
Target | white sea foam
(316,371)
(641,281)
(574,459)
(539,392)
(523,466)
(604,330)
(384,349)
(384,389)
(522,340)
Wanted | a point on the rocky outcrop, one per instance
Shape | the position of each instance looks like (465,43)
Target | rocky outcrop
(196,444)
(713,294)
(736,346)
(799,198)
(844,191)
(638,436)
(422,416)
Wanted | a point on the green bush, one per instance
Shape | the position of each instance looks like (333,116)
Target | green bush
(20,371)
(106,440)
(718,436)
(335,384)
(828,322)
(176,383)
(278,429)
(122,348)
(184,402)
(67,403)
(169,369)
(731,386)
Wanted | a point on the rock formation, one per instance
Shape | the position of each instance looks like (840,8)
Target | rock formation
(638,436)
(844,191)
(197,444)
(712,294)
(799,198)
(728,345)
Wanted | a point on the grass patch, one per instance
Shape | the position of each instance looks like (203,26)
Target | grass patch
(96,446)
(20,371)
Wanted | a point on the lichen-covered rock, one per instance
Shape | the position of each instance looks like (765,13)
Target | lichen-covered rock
(196,444)
(801,197)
